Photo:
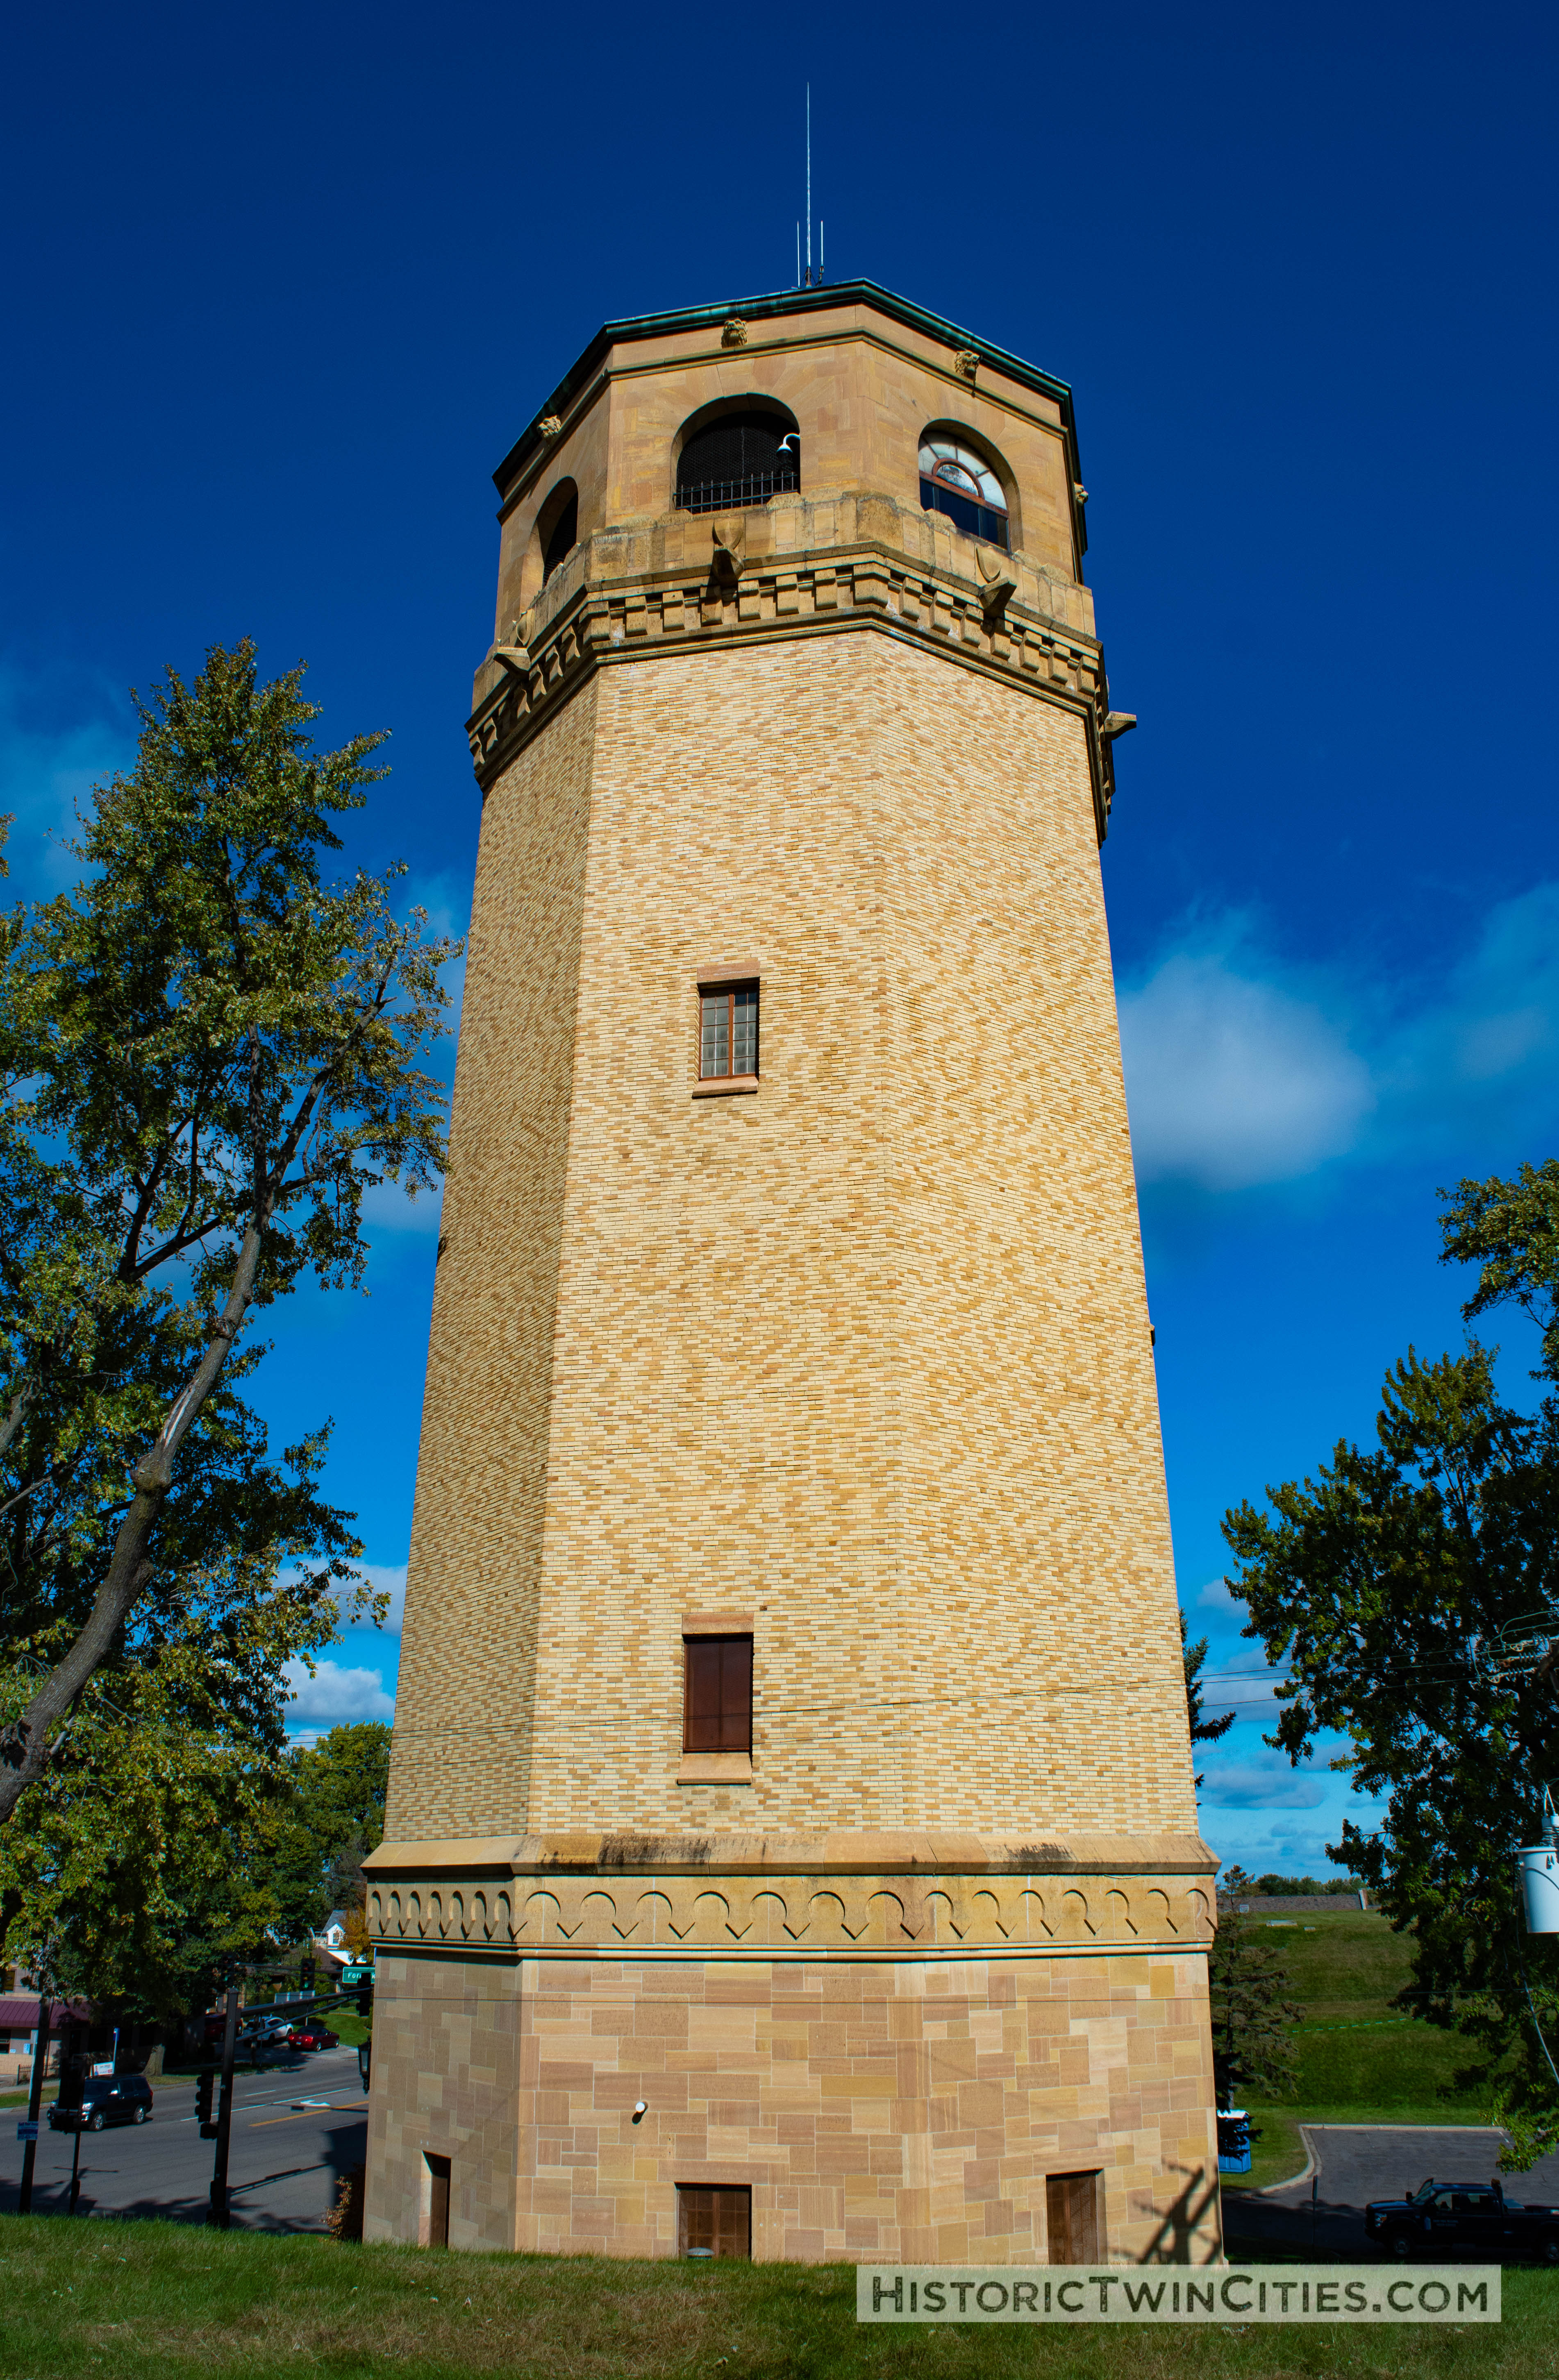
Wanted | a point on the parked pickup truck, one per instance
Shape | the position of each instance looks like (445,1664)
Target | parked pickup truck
(1469,2214)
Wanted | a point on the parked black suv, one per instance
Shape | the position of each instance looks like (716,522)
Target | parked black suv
(106,2099)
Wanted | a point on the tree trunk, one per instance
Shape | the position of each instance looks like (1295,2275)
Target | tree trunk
(24,1746)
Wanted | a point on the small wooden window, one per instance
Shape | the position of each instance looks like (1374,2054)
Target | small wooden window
(729,1032)
(717,1694)
(438,2201)
(1072,2218)
(715,2222)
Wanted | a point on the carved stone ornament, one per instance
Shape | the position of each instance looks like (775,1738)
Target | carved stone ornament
(999,579)
(730,549)
(966,363)
(549,426)
(1118,722)
(735,332)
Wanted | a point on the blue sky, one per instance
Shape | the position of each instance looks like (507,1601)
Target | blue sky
(283,288)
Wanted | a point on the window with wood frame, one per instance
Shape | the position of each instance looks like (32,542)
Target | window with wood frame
(1072,2218)
(717,1694)
(727,1032)
(714,2221)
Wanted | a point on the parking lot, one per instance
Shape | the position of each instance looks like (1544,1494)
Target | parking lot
(298,2127)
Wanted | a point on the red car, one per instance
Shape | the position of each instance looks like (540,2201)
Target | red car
(311,2036)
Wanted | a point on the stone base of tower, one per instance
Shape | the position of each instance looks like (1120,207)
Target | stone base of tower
(880,2106)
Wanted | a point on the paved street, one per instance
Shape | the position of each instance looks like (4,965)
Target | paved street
(1358,2162)
(296,2129)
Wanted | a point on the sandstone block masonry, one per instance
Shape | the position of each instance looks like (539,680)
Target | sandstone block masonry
(856,1363)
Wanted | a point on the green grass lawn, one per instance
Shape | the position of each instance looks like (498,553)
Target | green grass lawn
(1360,2060)
(128,2300)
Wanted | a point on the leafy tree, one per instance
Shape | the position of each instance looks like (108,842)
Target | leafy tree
(1252,2015)
(1511,1230)
(1281,1886)
(133,1872)
(1203,1729)
(1382,1583)
(207,1055)
(330,1816)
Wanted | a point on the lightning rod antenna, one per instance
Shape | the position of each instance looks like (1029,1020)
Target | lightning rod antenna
(809,186)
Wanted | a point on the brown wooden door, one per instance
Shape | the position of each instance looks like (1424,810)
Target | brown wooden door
(1072,2218)
(713,2222)
(438,2202)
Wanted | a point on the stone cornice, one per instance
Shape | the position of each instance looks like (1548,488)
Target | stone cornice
(674,586)
(788,304)
(841,1851)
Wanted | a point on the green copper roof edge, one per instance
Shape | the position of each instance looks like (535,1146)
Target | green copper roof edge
(790,301)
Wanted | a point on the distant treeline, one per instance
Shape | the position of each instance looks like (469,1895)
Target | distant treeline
(1286,1884)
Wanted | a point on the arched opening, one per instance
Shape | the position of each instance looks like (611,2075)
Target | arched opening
(557,527)
(738,454)
(961,483)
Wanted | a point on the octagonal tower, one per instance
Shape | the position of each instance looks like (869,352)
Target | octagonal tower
(792,1843)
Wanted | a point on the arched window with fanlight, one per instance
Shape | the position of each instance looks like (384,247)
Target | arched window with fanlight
(739,456)
(957,481)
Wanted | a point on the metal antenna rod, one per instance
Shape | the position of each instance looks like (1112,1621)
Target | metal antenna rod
(809,186)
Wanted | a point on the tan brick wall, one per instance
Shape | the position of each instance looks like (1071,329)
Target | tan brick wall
(868,1352)
(468,1651)
(892,2110)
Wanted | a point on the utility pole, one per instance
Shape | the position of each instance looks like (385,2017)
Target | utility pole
(218,2213)
(34,2101)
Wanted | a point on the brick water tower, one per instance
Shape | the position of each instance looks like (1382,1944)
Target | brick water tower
(792,1846)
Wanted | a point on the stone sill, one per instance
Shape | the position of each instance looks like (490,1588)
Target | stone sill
(716,1769)
(722,1086)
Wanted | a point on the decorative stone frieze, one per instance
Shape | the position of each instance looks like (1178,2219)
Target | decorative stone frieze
(806,1915)
(928,1898)
(676,585)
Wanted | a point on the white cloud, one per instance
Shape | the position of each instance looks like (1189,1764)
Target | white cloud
(1486,1046)
(388,1578)
(1218,1596)
(336,1695)
(388,1207)
(1232,1080)
(1241,1070)
(51,757)
(1265,1781)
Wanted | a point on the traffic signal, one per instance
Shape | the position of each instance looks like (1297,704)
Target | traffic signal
(204,2081)
(306,1973)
